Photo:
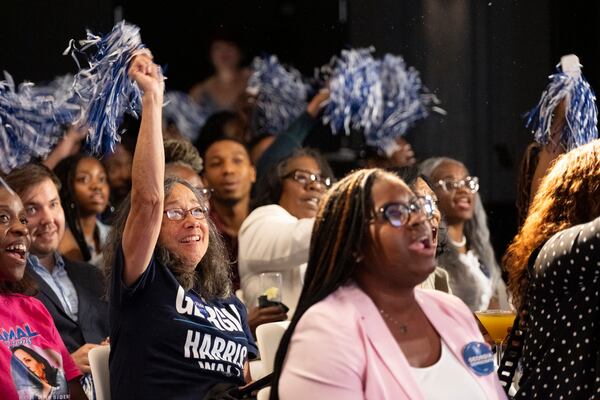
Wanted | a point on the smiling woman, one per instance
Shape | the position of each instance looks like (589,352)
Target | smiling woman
(169,276)
(469,257)
(15,239)
(25,372)
(276,235)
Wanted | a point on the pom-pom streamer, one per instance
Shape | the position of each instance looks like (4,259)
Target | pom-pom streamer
(280,95)
(382,98)
(581,113)
(185,113)
(104,89)
(31,120)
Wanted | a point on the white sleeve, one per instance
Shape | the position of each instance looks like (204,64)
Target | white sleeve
(271,239)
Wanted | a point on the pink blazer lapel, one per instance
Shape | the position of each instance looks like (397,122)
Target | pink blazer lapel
(384,344)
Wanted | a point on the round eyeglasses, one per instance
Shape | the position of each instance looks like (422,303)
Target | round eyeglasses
(306,177)
(398,214)
(178,214)
(471,183)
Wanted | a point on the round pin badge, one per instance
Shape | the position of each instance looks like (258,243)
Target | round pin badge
(479,358)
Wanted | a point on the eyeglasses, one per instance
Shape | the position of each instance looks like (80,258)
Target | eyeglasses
(471,183)
(178,214)
(398,214)
(306,177)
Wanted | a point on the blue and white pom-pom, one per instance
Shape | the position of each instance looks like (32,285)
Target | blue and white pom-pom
(405,101)
(581,113)
(31,121)
(104,89)
(185,113)
(60,89)
(355,92)
(280,95)
(382,98)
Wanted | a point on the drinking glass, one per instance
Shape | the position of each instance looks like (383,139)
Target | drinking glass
(497,323)
(270,285)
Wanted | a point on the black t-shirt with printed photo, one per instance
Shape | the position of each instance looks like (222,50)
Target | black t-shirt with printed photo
(167,343)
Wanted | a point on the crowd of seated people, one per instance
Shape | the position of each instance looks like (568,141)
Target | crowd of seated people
(159,251)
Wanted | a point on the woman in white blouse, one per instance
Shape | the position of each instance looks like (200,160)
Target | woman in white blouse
(275,237)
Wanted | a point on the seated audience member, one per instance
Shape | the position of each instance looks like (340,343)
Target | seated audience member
(224,90)
(362,330)
(438,279)
(230,174)
(276,235)
(118,169)
(553,277)
(267,152)
(468,258)
(177,330)
(224,124)
(34,363)
(183,161)
(84,194)
(71,291)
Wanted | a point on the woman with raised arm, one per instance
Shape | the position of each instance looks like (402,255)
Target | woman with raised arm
(176,329)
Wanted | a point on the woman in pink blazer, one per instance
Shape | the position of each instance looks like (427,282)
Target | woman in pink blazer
(362,330)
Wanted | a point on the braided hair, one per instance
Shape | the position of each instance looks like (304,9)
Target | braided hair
(338,236)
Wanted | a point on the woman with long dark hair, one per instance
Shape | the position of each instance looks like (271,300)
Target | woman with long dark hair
(84,195)
(362,329)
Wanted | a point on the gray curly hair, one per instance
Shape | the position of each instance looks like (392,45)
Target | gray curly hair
(211,278)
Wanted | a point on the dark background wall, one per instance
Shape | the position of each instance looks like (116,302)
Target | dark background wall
(487,60)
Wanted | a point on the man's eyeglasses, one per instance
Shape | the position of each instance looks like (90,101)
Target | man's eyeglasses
(398,214)
(306,177)
(471,183)
(178,214)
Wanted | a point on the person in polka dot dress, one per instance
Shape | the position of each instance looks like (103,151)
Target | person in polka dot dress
(554,276)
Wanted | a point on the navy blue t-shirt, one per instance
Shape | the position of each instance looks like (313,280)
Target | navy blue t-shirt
(167,343)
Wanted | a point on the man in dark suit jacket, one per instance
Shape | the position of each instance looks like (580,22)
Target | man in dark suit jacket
(71,291)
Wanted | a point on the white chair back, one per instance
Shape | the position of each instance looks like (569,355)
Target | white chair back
(98,357)
(268,337)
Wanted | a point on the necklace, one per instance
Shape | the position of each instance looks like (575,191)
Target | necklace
(462,242)
(403,327)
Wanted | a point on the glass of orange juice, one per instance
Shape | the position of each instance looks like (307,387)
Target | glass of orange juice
(497,323)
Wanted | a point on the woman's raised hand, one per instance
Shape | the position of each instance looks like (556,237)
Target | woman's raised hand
(147,74)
